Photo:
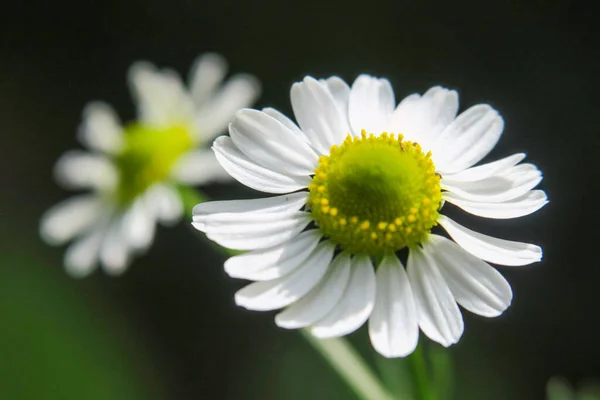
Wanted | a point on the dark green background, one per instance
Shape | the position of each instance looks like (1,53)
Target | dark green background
(168,329)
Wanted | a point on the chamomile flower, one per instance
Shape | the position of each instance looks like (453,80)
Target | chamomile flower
(133,171)
(359,179)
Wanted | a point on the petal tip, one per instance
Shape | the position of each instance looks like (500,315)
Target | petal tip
(391,351)
(285,323)
(200,226)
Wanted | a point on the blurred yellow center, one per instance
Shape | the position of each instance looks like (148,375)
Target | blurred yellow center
(147,157)
(375,194)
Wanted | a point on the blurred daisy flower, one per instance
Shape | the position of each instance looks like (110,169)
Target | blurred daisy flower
(377,176)
(134,170)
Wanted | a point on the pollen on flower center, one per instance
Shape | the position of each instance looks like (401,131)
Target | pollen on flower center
(375,194)
(147,158)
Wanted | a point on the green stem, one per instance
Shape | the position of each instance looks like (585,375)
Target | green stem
(419,366)
(350,366)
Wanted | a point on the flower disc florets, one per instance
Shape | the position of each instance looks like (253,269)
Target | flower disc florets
(375,194)
(147,157)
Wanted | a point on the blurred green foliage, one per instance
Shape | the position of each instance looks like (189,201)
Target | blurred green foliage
(560,389)
(54,346)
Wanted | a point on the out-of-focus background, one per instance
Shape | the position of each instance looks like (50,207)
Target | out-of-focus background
(168,328)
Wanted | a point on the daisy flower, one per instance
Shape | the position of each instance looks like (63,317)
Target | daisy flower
(133,171)
(359,179)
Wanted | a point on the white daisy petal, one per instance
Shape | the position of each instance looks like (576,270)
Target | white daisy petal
(101,129)
(81,257)
(486,170)
(284,206)
(164,202)
(114,251)
(245,171)
(423,118)
(321,299)
(210,222)
(474,284)
(468,139)
(288,123)
(206,75)
(271,144)
(280,292)
(340,91)
(70,218)
(518,207)
(393,325)
(81,170)
(274,262)
(318,115)
(356,303)
(162,99)
(255,231)
(370,105)
(252,224)
(439,316)
(199,167)
(511,184)
(497,251)
(239,91)
(139,224)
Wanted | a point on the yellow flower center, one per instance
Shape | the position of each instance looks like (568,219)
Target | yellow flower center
(147,158)
(375,195)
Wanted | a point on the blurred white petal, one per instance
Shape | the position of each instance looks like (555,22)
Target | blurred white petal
(77,169)
(206,75)
(115,248)
(199,167)
(139,223)
(164,202)
(70,218)
(100,129)
(212,118)
(81,257)
(162,99)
